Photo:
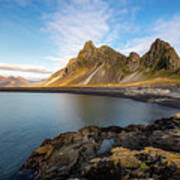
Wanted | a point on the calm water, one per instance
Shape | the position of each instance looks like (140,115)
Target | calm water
(26,119)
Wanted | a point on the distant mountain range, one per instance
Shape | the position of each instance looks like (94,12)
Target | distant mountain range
(12,81)
(106,67)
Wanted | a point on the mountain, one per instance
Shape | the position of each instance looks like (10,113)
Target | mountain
(161,56)
(12,81)
(105,66)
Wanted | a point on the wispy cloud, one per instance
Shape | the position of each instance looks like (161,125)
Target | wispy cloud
(59,62)
(51,58)
(24,68)
(167,30)
(76,23)
(139,45)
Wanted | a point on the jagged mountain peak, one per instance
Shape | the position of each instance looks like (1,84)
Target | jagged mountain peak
(133,61)
(161,56)
(160,45)
(89,45)
(90,55)
(104,49)
(134,56)
(109,51)
(159,41)
(87,50)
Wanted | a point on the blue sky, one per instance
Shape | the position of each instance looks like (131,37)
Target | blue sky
(38,37)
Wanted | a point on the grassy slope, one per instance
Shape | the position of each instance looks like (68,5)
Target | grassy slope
(149,82)
(150,79)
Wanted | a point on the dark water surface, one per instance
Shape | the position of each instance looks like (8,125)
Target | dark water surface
(26,119)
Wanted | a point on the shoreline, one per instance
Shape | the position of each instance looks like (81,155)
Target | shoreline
(160,95)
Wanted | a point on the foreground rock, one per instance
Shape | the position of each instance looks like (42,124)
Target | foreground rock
(134,152)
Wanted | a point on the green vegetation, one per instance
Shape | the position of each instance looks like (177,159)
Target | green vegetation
(144,166)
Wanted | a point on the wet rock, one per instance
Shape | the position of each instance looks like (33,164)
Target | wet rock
(169,140)
(132,140)
(46,150)
(106,145)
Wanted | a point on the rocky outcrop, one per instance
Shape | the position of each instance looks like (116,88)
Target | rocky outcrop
(133,62)
(133,152)
(104,66)
(161,56)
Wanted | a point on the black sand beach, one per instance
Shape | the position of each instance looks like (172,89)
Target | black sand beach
(164,95)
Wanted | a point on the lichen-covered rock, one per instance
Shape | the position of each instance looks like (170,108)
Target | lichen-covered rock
(133,152)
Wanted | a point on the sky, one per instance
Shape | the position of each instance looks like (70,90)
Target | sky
(38,37)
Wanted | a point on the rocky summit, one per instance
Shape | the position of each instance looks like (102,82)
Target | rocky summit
(161,56)
(134,152)
(105,66)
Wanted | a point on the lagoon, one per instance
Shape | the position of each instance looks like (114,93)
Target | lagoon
(26,119)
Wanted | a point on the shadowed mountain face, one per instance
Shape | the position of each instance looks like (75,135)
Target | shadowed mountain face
(12,81)
(105,66)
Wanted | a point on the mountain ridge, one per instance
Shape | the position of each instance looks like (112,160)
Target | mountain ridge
(104,66)
(12,81)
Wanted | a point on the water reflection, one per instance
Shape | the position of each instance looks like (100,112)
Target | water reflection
(82,110)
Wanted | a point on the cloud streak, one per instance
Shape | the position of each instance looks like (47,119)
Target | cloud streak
(24,68)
